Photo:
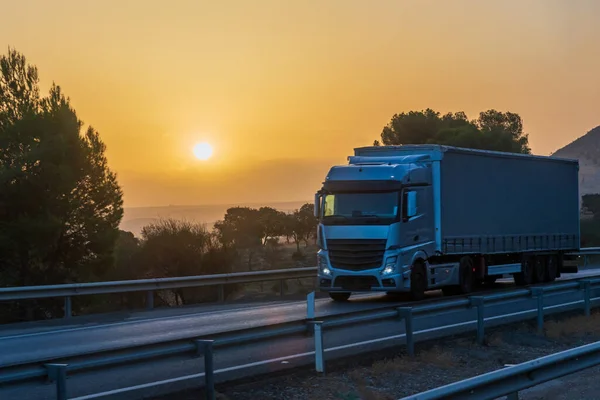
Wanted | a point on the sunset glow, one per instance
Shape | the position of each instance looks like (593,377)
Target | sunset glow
(286,89)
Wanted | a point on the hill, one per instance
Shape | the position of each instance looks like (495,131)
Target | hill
(587,150)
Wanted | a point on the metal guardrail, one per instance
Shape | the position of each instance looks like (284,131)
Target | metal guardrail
(150,285)
(198,345)
(513,379)
(585,252)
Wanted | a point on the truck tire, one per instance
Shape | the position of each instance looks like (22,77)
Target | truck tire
(465,279)
(465,275)
(418,281)
(551,268)
(539,269)
(339,296)
(525,277)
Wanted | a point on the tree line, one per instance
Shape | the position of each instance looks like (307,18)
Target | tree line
(244,240)
(61,204)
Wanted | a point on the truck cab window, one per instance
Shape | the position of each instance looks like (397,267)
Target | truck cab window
(328,205)
(409,204)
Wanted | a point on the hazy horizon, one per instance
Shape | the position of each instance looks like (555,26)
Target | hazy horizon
(284,90)
(136,217)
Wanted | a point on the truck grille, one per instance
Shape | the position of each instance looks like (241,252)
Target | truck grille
(357,254)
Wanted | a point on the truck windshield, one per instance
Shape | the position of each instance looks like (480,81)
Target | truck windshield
(370,207)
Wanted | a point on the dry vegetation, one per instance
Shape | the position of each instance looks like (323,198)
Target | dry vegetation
(393,374)
(574,328)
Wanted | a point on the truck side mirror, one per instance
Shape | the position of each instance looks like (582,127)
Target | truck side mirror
(411,209)
(317,208)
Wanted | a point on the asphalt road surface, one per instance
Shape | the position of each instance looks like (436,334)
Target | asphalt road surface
(35,342)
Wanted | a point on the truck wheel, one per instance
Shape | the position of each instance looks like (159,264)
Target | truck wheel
(465,279)
(525,277)
(539,269)
(551,268)
(466,275)
(418,281)
(339,296)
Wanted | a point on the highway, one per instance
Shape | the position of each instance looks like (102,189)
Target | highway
(49,341)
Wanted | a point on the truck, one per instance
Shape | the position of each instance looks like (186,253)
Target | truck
(415,218)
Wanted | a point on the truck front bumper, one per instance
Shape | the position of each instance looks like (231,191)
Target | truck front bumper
(373,282)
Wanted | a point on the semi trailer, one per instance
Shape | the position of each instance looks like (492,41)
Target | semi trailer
(415,218)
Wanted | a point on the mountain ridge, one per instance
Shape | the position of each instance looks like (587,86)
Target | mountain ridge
(586,149)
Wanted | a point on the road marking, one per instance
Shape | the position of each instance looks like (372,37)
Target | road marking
(137,321)
(309,353)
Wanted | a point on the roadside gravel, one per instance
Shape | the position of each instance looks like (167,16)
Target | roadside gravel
(392,374)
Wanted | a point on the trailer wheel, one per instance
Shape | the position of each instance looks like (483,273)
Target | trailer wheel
(339,296)
(418,281)
(539,269)
(551,268)
(525,277)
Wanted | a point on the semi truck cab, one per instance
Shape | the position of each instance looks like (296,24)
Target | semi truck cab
(375,216)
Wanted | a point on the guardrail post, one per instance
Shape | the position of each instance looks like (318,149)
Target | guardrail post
(205,347)
(587,288)
(478,301)
(150,299)
(68,308)
(281,281)
(319,348)
(58,373)
(538,293)
(310,305)
(406,314)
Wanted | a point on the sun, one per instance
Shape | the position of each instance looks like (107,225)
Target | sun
(203,151)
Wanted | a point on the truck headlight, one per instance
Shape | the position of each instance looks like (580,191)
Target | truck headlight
(323,266)
(390,266)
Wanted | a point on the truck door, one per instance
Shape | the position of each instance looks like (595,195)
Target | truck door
(417,215)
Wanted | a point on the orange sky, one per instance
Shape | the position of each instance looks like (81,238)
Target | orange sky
(283,89)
